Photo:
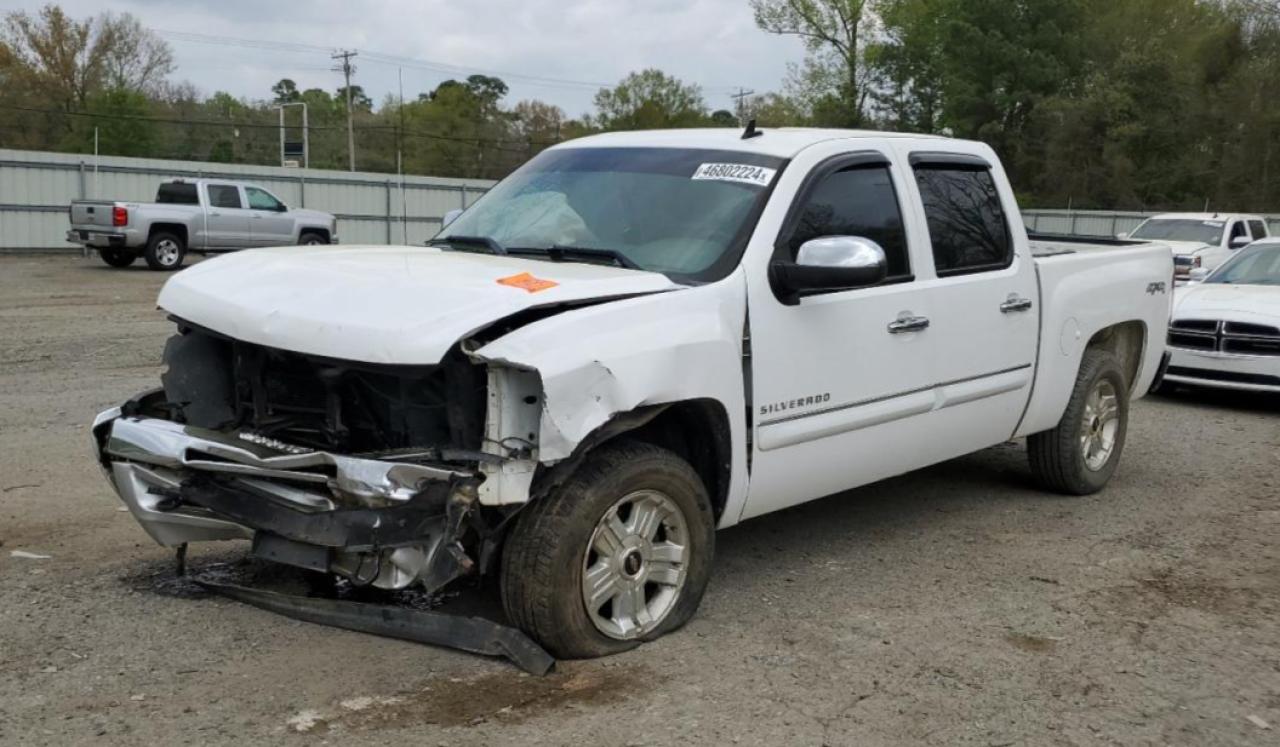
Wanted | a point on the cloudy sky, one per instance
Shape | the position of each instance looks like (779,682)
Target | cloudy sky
(559,51)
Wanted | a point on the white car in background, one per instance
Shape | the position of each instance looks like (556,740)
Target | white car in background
(1226,329)
(1203,240)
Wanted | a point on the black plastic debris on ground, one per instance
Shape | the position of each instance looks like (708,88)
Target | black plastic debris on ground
(474,634)
(465,620)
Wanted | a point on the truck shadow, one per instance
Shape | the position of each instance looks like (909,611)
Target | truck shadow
(982,483)
(1220,399)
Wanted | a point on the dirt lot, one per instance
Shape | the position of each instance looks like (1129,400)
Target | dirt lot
(952,606)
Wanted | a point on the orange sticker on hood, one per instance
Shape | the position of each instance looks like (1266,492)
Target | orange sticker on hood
(527,282)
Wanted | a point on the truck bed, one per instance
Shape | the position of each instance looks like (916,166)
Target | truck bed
(1053,244)
(1087,279)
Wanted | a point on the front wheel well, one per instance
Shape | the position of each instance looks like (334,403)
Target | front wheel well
(696,430)
(322,232)
(1126,341)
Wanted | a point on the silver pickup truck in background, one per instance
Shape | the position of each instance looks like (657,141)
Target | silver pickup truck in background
(204,215)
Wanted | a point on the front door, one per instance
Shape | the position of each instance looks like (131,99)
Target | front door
(842,381)
(270,225)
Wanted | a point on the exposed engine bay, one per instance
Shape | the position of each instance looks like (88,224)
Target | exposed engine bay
(386,475)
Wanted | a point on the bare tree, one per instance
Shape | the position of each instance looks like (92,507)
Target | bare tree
(133,57)
(829,28)
(67,61)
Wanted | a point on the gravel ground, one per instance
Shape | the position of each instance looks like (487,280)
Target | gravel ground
(956,605)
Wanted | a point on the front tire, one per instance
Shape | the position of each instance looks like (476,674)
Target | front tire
(312,238)
(164,252)
(620,554)
(1079,456)
(117,257)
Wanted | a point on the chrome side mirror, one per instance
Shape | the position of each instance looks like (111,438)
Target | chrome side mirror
(827,264)
(450,217)
(1198,274)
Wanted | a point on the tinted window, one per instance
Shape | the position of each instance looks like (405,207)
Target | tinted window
(858,201)
(261,199)
(1258,229)
(967,225)
(177,193)
(224,196)
(1237,230)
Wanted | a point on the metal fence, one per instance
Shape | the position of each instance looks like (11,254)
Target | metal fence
(36,188)
(1098,222)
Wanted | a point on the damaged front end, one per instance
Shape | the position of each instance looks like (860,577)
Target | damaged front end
(389,476)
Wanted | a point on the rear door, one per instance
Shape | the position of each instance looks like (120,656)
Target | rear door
(227,218)
(985,324)
(270,225)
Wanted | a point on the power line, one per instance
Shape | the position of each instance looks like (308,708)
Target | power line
(272,126)
(399,61)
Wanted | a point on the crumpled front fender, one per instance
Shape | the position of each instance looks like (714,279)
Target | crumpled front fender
(599,362)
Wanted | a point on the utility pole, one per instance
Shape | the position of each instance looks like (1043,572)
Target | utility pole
(740,107)
(347,69)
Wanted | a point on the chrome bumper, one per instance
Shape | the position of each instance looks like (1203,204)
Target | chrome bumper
(186,484)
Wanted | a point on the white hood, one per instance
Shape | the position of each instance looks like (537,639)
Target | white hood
(1259,304)
(378,304)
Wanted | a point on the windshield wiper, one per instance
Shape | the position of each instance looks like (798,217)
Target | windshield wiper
(484,242)
(560,253)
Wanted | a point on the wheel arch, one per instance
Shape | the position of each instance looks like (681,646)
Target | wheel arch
(304,230)
(696,430)
(1127,341)
(176,229)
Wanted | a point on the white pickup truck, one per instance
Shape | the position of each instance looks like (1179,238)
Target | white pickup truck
(1200,240)
(633,340)
(204,215)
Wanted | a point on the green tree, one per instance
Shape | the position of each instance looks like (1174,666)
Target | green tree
(650,99)
(285,91)
(121,118)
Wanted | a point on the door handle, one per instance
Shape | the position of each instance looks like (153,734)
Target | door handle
(215,214)
(908,324)
(1015,303)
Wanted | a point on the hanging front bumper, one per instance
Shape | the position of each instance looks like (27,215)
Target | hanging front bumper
(381,522)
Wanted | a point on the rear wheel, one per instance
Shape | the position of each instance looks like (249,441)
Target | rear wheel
(117,257)
(619,555)
(1079,456)
(164,251)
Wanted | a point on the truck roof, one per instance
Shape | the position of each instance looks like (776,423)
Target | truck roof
(783,142)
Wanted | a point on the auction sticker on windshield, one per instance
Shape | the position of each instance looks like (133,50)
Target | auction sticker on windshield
(735,172)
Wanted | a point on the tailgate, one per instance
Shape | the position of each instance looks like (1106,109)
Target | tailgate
(91,213)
